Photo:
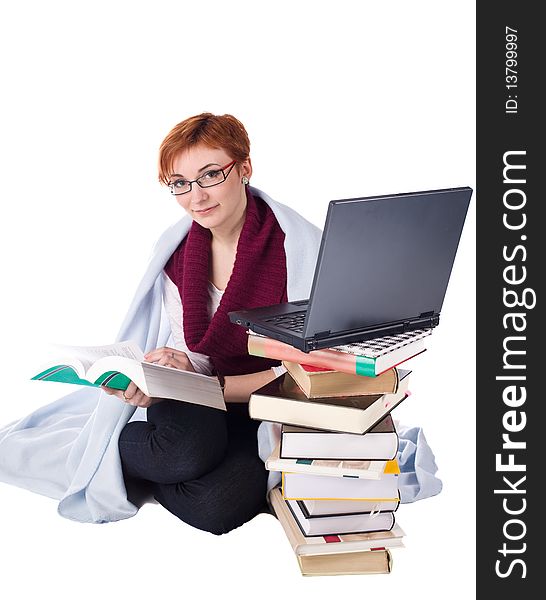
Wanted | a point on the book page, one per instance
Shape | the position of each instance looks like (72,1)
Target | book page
(166,382)
(87,355)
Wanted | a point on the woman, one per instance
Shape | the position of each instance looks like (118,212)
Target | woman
(203,464)
(236,248)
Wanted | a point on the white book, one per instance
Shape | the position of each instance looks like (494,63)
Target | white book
(367,469)
(323,545)
(339,524)
(319,508)
(297,486)
(379,443)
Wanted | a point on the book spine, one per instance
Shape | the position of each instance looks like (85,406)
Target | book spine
(330,359)
(314,488)
(365,366)
(306,466)
(374,561)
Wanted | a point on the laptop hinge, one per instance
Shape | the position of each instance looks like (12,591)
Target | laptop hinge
(344,337)
(322,334)
(430,313)
(425,320)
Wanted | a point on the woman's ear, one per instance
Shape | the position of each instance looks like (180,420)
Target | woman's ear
(246,169)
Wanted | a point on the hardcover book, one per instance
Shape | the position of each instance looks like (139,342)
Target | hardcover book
(300,486)
(337,554)
(365,469)
(325,508)
(350,563)
(283,401)
(379,443)
(319,382)
(341,524)
(369,358)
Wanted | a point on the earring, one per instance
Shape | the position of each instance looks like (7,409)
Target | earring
(245,180)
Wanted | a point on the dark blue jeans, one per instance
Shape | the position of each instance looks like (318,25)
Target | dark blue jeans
(202,464)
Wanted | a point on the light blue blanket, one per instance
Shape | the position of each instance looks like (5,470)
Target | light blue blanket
(68,450)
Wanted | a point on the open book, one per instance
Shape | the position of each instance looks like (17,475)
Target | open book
(116,365)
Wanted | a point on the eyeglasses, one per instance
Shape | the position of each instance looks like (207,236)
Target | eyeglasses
(208,179)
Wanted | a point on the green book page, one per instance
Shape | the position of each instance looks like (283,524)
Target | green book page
(114,379)
(66,374)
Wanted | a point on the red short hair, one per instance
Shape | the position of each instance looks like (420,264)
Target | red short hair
(215,131)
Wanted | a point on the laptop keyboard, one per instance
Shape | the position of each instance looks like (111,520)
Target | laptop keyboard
(293,321)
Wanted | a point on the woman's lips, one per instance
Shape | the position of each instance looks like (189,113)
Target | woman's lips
(205,211)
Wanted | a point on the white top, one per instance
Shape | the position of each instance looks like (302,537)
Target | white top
(173,306)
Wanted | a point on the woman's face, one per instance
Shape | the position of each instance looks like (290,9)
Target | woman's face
(221,206)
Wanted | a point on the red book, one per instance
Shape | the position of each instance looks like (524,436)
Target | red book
(369,358)
(312,369)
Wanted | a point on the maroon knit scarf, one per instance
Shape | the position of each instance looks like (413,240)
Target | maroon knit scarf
(258,279)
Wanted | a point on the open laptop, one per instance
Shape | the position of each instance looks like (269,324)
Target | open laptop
(383,267)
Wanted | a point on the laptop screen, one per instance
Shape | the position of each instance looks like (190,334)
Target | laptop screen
(385,259)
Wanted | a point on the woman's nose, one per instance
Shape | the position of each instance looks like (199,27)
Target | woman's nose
(198,194)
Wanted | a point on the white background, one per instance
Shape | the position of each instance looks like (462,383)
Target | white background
(340,100)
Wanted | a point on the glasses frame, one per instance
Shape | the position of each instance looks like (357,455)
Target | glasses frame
(230,165)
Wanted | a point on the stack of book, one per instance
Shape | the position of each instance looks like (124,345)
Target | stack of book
(337,449)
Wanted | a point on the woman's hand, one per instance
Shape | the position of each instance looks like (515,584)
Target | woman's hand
(132,395)
(170,357)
